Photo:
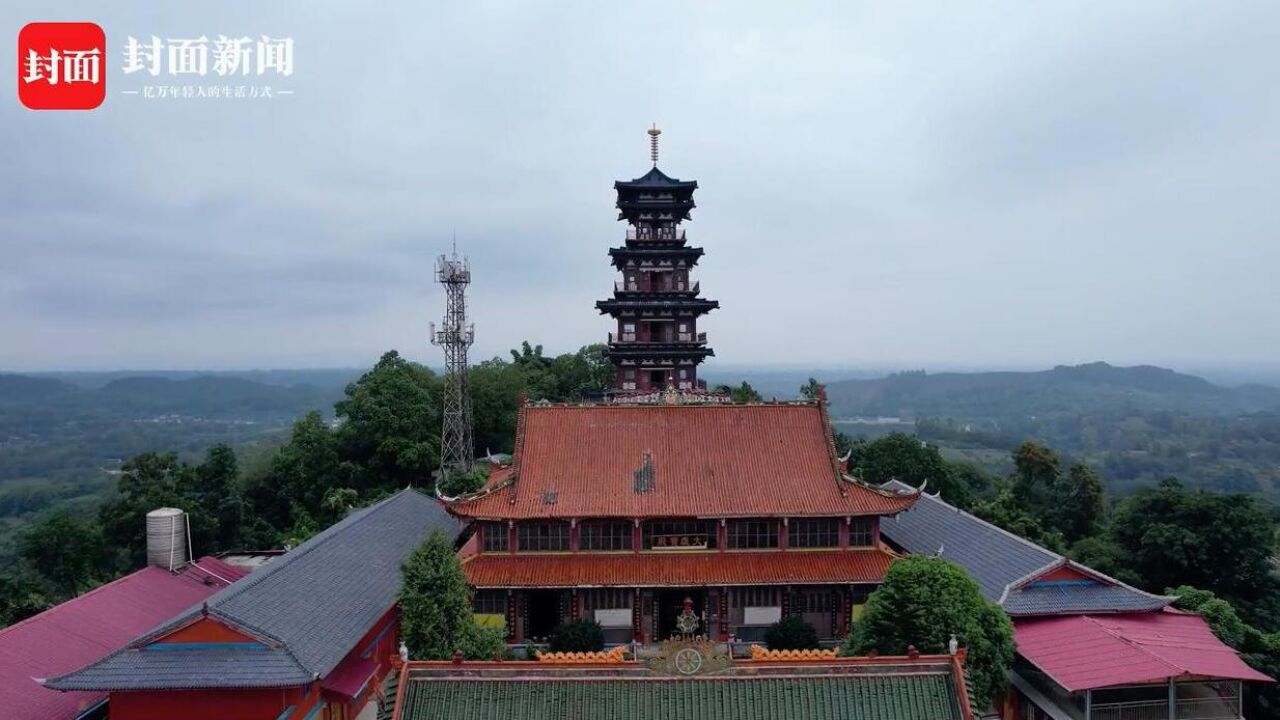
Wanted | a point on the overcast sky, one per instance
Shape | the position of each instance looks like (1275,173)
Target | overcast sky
(881,185)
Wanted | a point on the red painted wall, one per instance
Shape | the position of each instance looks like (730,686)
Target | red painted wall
(212,704)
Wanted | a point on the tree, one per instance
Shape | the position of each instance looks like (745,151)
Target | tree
(581,635)
(791,633)
(433,600)
(147,481)
(1171,536)
(899,456)
(1035,477)
(20,597)
(1081,503)
(743,393)
(460,482)
(923,602)
(811,390)
(300,475)
(391,424)
(212,497)
(66,549)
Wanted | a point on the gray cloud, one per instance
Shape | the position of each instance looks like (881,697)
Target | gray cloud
(882,184)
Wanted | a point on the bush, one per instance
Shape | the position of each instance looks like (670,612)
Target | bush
(791,633)
(460,482)
(482,643)
(581,635)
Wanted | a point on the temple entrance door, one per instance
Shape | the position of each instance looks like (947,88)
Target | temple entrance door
(544,614)
(671,604)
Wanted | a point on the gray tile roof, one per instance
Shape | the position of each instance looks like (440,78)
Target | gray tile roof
(311,605)
(1002,563)
(1066,598)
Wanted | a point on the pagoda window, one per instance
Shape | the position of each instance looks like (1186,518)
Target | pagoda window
(861,531)
(489,602)
(678,534)
(605,535)
(753,534)
(543,536)
(813,532)
(494,537)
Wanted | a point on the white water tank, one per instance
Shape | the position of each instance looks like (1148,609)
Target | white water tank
(167,538)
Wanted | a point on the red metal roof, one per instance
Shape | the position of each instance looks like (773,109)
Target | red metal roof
(682,569)
(84,629)
(705,461)
(1087,651)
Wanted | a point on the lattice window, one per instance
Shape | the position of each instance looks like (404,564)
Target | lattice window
(813,532)
(489,602)
(666,534)
(749,534)
(755,597)
(543,536)
(812,601)
(606,599)
(494,537)
(861,531)
(605,536)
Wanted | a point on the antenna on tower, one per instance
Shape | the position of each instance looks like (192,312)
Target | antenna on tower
(654,132)
(455,336)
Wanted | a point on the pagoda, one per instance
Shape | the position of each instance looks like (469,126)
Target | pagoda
(656,344)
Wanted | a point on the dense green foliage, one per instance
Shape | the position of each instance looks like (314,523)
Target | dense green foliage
(581,635)
(435,613)
(1261,650)
(791,633)
(924,602)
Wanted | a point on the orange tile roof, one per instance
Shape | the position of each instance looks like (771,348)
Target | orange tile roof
(706,460)
(677,569)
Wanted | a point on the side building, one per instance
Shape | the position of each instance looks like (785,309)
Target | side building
(632,513)
(310,635)
(1089,647)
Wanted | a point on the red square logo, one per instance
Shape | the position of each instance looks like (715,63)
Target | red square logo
(62,66)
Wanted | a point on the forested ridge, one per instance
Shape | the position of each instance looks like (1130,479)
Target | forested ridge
(1136,425)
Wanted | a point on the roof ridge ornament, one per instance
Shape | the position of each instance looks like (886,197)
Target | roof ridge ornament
(654,132)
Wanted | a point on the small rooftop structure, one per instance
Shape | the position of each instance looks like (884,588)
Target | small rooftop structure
(1022,577)
(84,629)
(888,688)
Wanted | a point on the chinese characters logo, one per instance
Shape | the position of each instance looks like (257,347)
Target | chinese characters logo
(237,66)
(60,66)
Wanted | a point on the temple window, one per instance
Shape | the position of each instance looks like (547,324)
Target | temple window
(489,602)
(605,535)
(494,536)
(813,532)
(752,534)
(861,531)
(543,536)
(677,534)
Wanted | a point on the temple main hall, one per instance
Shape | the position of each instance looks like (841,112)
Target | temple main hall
(666,498)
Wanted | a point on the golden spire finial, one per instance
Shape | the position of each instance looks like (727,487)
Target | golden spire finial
(654,132)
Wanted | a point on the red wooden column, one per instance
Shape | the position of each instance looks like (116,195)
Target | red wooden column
(783,537)
(844,533)
(575,535)
(722,535)
(511,536)
(637,537)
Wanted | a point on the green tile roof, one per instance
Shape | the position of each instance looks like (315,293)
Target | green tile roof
(928,696)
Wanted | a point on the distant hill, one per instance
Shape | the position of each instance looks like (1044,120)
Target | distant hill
(24,388)
(1092,388)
